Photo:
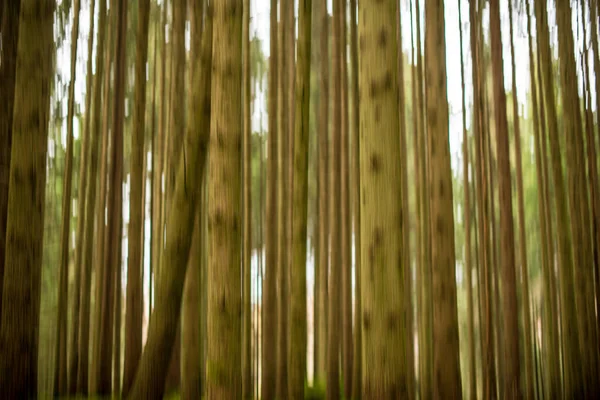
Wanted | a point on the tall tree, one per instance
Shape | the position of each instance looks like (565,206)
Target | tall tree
(150,378)
(446,364)
(335,215)
(19,326)
(382,316)
(60,360)
(81,202)
(526,313)
(322,264)
(135,301)
(481,183)
(467,215)
(298,315)
(114,205)
(247,209)
(511,373)
(269,300)
(224,291)
(191,337)
(283,196)
(355,200)
(90,205)
(569,328)
(10,39)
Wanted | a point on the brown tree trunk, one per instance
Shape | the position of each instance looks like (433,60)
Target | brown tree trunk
(60,371)
(19,327)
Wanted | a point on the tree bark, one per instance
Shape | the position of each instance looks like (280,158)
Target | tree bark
(19,326)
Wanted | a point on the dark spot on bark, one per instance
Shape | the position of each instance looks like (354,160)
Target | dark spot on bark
(377,112)
(373,88)
(218,217)
(375,163)
(442,188)
(32,183)
(382,38)
(377,236)
(222,304)
(220,139)
(236,223)
(439,224)
(366,320)
(371,262)
(393,319)
(387,81)
(228,70)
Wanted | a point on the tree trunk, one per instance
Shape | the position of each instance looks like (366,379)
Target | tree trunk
(150,379)
(355,202)
(135,305)
(25,210)
(468,270)
(118,309)
(247,210)
(446,365)
(283,155)
(10,40)
(526,313)
(573,379)
(60,370)
(578,202)
(383,300)
(269,300)
(298,315)
(82,200)
(335,273)
(112,232)
(322,264)
(224,292)
(511,373)
(90,206)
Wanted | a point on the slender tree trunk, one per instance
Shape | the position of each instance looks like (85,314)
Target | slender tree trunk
(114,203)
(487,334)
(573,379)
(118,310)
(247,210)
(135,307)
(191,379)
(355,203)
(526,313)
(511,379)
(60,370)
(150,379)
(335,274)
(410,356)
(283,156)
(19,326)
(90,206)
(578,201)
(269,300)
(76,319)
(298,315)
(384,350)
(472,394)
(446,365)
(224,292)
(100,211)
(10,40)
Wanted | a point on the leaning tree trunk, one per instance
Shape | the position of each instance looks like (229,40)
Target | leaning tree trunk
(60,360)
(298,328)
(10,39)
(446,367)
(224,291)
(134,300)
(382,315)
(152,370)
(19,327)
